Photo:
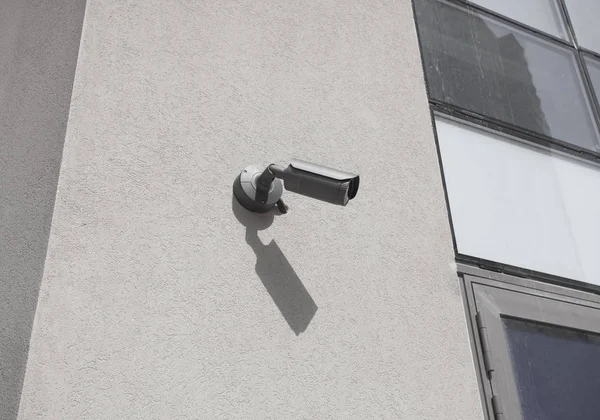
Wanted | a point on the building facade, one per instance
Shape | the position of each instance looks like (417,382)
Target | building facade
(460,283)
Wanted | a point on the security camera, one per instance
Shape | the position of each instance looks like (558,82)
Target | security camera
(259,189)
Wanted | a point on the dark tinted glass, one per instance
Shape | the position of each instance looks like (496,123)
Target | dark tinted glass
(502,72)
(557,371)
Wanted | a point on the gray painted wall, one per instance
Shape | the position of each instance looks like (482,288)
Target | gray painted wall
(39,43)
(161,298)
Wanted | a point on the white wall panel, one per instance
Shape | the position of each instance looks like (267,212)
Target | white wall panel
(163,299)
(521,205)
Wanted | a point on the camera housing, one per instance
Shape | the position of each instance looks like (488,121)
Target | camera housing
(259,189)
(320,182)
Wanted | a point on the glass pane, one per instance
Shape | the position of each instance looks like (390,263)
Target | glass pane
(499,71)
(584,17)
(540,14)
(521,205)
(593,67)
(557,370)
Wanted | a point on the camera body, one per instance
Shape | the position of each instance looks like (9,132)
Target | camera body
(320,182)
(259,188)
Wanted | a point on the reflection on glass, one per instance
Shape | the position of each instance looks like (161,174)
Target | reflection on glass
(557,370)
(593,67)
(540,14)
(496,70)
(584,17)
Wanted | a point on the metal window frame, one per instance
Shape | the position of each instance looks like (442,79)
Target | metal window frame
(488,344)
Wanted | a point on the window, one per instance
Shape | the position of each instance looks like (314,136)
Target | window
(482,65)
(520,204)
(539,349)
(514,86)
(516,116)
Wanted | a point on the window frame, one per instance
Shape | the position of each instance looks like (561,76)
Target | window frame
(497,394)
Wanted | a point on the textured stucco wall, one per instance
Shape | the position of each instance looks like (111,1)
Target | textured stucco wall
(162,299)
(39,44)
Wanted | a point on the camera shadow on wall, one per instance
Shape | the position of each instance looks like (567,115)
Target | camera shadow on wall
(275,272)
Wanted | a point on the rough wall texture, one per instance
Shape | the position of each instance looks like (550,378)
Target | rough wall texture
(39,43)
(163,299)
